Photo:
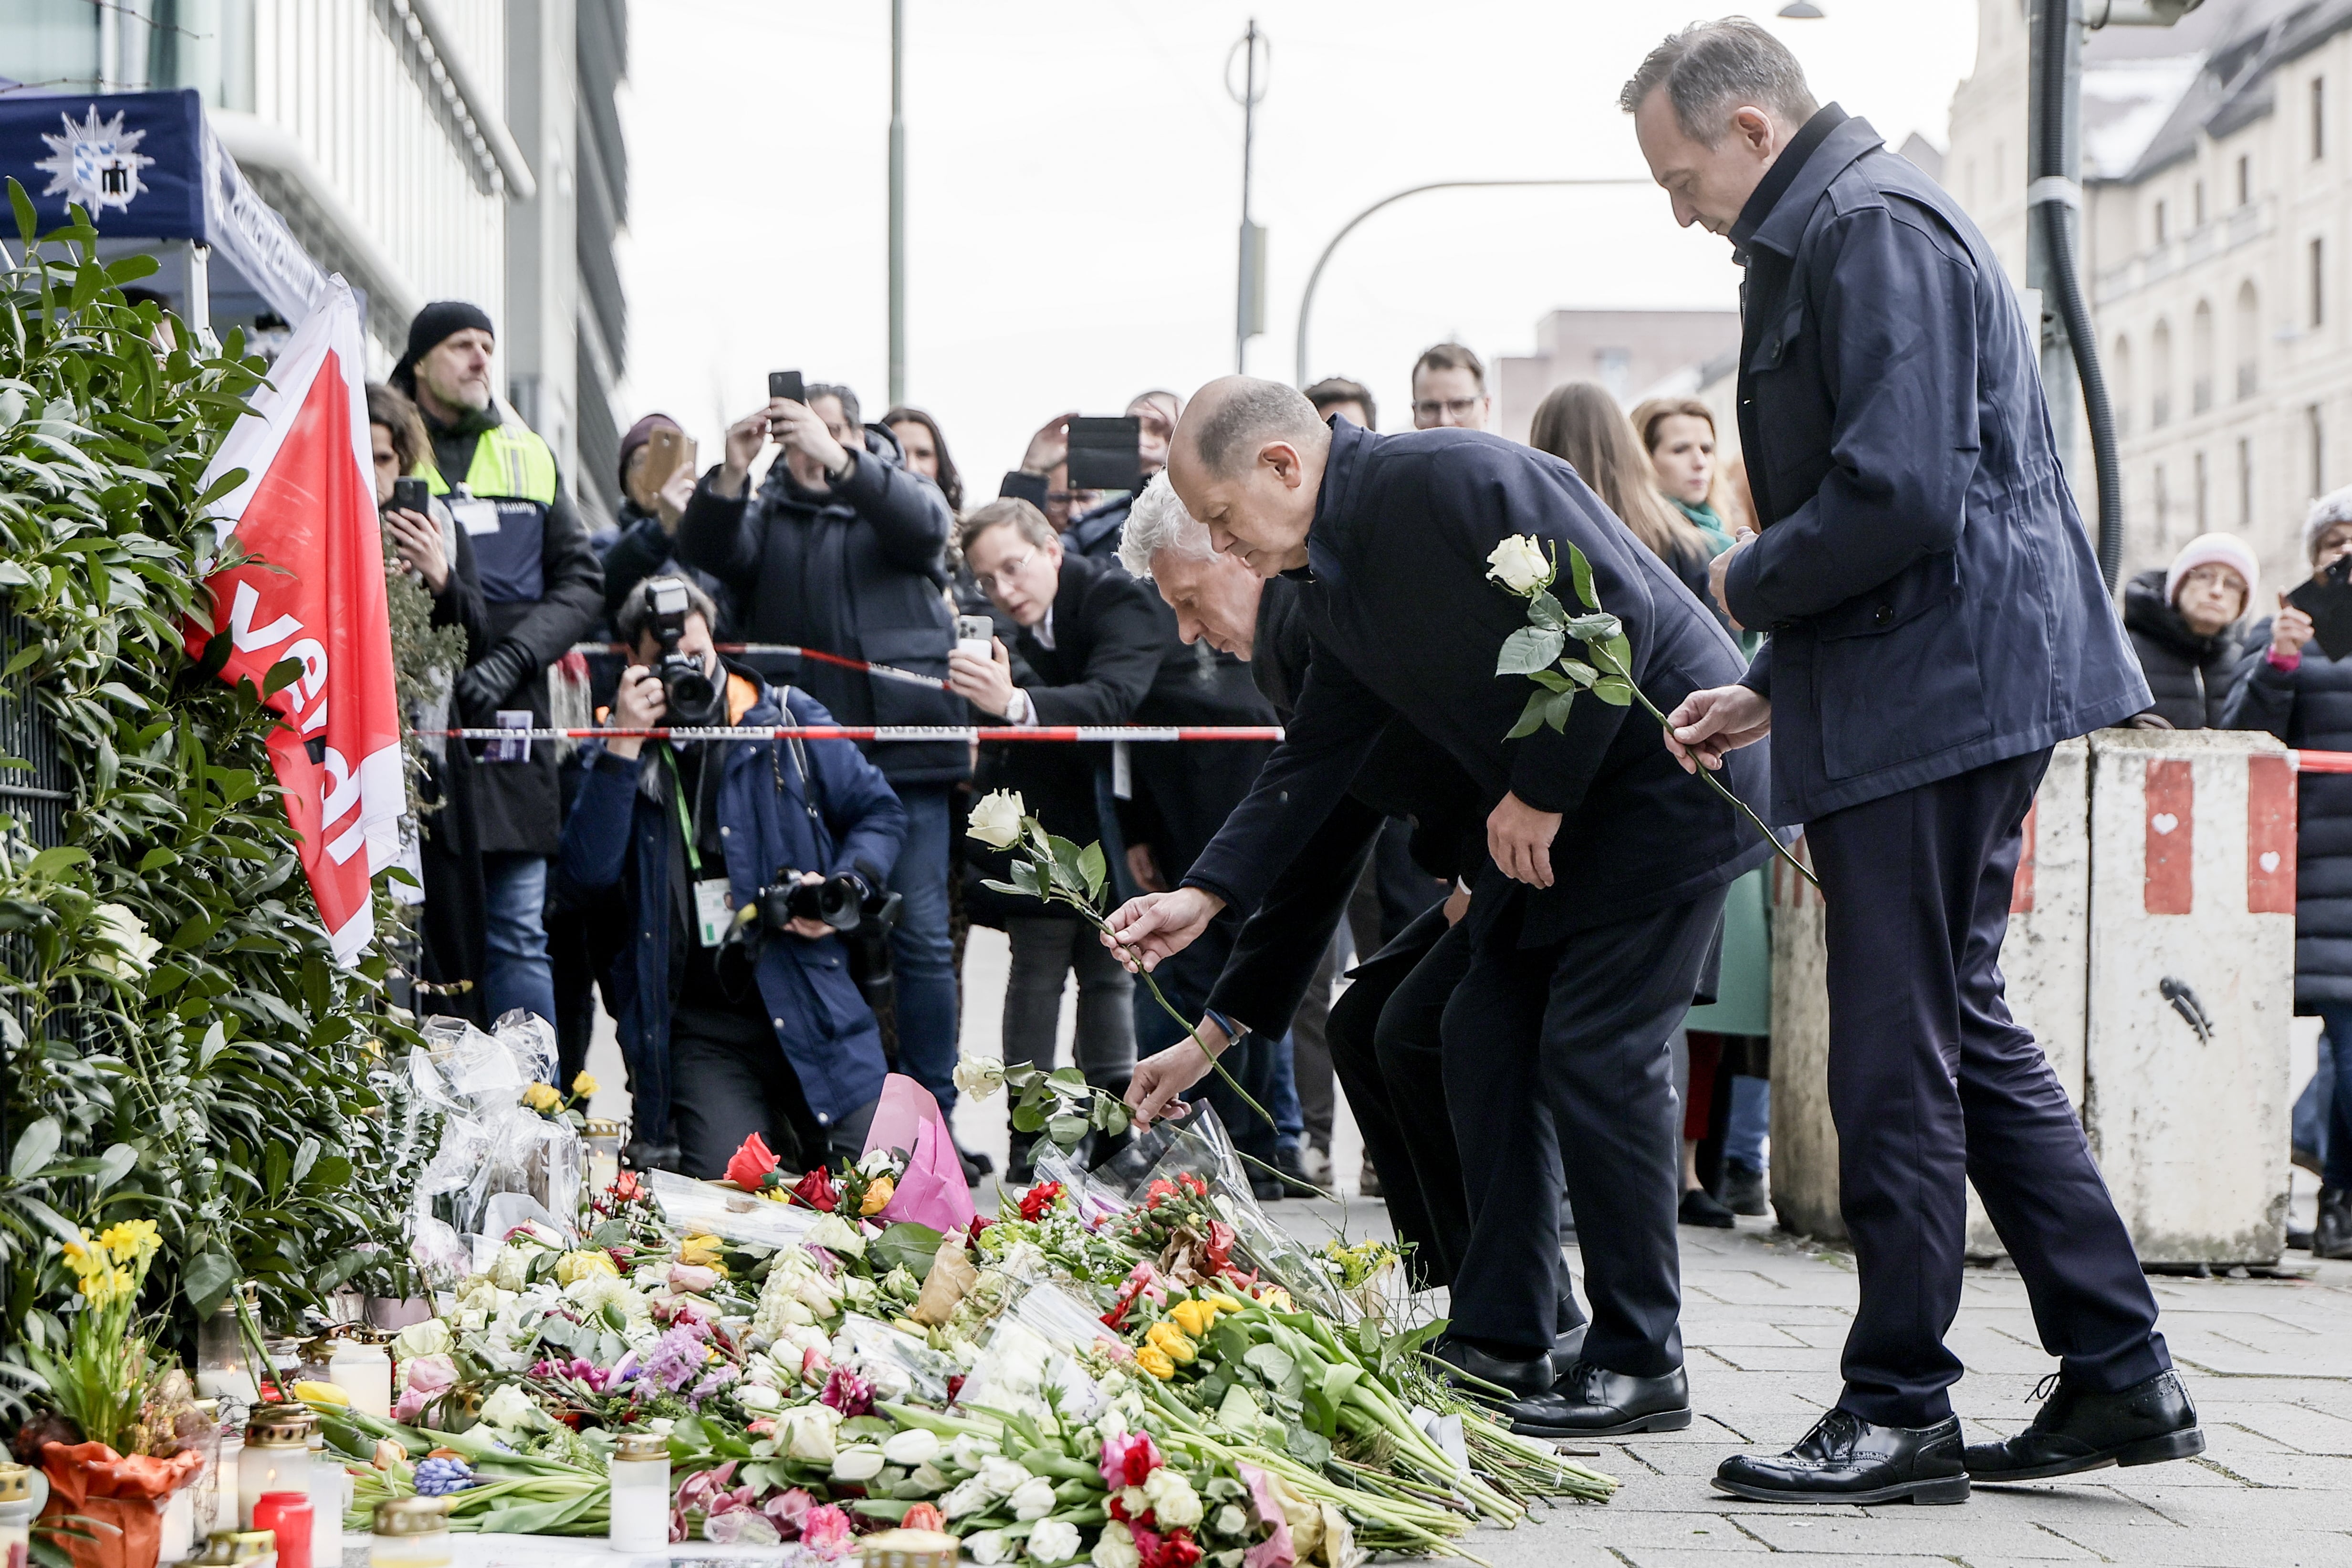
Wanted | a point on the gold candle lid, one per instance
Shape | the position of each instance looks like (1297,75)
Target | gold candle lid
(600,1127)
(412,1515)
(16,1483)
(640,1445)
(227,1546)
(277,1425)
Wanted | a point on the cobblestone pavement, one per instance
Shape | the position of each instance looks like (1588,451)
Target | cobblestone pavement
(2269,1362)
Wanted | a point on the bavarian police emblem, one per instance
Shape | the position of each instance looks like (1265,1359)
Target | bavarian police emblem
(95,163)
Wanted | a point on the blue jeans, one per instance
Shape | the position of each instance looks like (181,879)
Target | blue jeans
(1288,1118)
(2335,1160)
(1750,1123)
(921,956)
(516,971)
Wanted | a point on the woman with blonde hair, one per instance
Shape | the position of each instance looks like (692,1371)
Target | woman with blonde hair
(1678,435)
(1581,423)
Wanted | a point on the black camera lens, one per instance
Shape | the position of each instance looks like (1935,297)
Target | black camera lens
(685,684)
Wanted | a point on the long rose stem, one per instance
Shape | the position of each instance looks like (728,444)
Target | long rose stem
(1600,651)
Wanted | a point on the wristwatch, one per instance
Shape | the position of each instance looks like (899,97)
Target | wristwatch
(1233,1030)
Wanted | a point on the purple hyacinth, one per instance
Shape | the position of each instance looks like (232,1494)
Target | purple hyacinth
(675,1357)
(439,1478)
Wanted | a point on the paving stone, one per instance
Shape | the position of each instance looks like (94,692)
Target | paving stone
(1920,1531)
(2216,1548)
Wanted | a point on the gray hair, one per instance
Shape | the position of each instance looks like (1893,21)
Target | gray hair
(849,410)
(2329,509)
(1255,411)
(1159,521)
(1711,68)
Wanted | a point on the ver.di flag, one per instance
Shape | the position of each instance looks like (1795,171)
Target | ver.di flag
(309,586)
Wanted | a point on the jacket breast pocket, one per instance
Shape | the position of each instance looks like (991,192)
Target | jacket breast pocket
(1896,673)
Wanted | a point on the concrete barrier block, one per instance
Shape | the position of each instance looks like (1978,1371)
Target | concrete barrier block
(2191,989)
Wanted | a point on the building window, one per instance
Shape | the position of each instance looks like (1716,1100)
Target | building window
(2318,281)
(2159,406)
(2198,194)
(2202,495)
(2249,341)
(2318,117)
(2245,483)
(2316,434)
(2245,179)
(2163,509)
(2159,222)
(2201,359)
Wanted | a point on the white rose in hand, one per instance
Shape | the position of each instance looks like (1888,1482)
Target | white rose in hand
(996,818)
(979,1076)
(1520,564)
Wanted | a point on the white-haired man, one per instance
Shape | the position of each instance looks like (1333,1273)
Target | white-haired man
(1580,968)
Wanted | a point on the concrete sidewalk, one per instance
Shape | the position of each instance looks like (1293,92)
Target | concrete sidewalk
(2269,1362)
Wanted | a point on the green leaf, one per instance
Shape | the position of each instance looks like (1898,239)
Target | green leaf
(1066,1130)
(1613,689)
(1578,671)
(1544,611)
(1027,1119)
(1598,627)
(1531,717)
(1550,680)
(904,1246)
(1579,572)
(282,674)
(1090,866)
(34,1146)
(1528,649)
(27,221)
(113,1166)
(207,1279)
(1556,708)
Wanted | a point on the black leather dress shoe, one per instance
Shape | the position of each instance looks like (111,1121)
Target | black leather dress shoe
(1504,1377)
(2331,1237)
(1565,1348)
(2076,1430)
(1847,1459)
(1593,1402)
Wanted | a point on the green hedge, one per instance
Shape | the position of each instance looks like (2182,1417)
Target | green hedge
(235,1089)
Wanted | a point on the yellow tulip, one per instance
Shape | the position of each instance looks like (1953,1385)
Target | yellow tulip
(1223,1303)
(1276,1298)
(1155,1362)
(700,1251)
(574,1266)
(1170,1341)
(320,1392)
(541,1097)
(1194,1317)
(584,1085)
(877,1195)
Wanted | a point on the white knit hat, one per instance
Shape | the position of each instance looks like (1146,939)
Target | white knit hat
(2213,550)
(2329,509)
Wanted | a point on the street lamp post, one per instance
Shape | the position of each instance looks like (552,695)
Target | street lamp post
(1249,293)
(898,204)
(1306,300)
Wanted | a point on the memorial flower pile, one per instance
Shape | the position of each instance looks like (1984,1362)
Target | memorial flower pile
(1129,1379)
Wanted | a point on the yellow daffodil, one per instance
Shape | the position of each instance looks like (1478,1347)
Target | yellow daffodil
(877,1195)
(131,1241)
(700,1251)
(1170,1341)
(1155,1361)
(541,1097)
(584,1085)
(1194,1317)
(576,1266)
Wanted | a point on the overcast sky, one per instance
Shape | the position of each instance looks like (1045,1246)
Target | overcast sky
(1074,188)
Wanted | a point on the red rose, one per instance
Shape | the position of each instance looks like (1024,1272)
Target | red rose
(627,1187)
(1219,1251)
(817,1191)
(1038,1199)
(751,1163)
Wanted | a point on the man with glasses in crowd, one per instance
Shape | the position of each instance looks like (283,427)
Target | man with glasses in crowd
(1449,390)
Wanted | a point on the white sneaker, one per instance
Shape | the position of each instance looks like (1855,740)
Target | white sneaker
(1317,1163)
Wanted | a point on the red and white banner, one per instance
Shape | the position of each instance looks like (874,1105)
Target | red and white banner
(310,588)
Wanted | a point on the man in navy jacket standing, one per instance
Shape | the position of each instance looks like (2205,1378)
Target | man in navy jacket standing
(1938,623)
(1593,919)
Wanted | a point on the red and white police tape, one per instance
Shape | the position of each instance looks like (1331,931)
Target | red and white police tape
(887,732)
(794,650)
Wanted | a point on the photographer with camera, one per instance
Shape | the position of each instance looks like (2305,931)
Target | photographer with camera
(745,864)
(843,549)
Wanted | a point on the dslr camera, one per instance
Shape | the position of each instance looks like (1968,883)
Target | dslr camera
(844,902)
(686,684)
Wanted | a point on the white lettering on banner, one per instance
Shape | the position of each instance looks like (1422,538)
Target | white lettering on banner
(240,623)
(318,717)
(314,665)
(342,793)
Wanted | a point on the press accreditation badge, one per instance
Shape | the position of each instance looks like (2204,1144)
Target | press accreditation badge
(714,909)
(476,516)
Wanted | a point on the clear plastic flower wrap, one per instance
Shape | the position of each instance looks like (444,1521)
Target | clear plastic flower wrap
(1199,1146)
(531,1154)
(701,1208)
(897,1363)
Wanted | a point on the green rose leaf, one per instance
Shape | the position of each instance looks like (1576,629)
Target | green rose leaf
(1578,671)
(1543,610)
(1551,680)
(1066,1130)
(1556,708)
(1613,689)
(1531,717)
(905,1246)
(1090,867)
(1528,649)
(1579,572)
(1598,627)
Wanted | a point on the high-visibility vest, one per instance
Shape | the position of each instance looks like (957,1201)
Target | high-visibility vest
(514,473)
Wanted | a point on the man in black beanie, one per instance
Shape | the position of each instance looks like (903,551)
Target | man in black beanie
(544,592)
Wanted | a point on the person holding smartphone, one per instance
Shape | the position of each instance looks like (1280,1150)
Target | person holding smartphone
(843,550)
(657,482)
(2291,686)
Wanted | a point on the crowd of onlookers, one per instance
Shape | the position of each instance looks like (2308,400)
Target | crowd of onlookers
(658,873)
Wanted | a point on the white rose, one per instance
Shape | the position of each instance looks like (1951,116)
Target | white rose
(1054,1541)
(979,1076)
(430,1337)
(1115,1548)
(968,1497)
(758,1400)
(996,819)
(808,1431)
(509,1409)
(1172,1498)
(1520,564)
(988,1547)
(1229,1519)
(1002,1476)
(510,1269)
(862,1463)
(911,1447)
(835,1234)
(968,1449)
(134,949)
(1032,1498)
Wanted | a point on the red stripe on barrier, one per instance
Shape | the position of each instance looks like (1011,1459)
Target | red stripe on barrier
(888,732)
(2021,888)
(2171,796)
(2321,761)
(2270,836)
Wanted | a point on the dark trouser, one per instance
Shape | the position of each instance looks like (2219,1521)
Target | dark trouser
(2335,1161)
(727,1087)
(922,957)
(1386,1049)
(1310,1050)
(1563,1049)
(1931,1079)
